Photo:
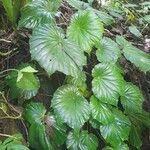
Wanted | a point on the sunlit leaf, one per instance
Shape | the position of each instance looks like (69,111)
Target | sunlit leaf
(107,83)
(55,53)
(71,106)
(85,29)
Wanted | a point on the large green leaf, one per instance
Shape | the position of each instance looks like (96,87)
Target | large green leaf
(82,141)
(101,111)
(55,53)
(71,106)
(103,16)
(23,84)
(85,29)
(39,12)
(139,58)
(108,51)
(132,99)
(34,112)
(117,131)
(107,83)
(38,138)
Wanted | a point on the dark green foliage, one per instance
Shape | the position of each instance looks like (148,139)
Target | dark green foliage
(99,99)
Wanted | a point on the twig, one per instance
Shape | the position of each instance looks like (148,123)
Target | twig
(4,40)
(5,54)
(6,135)
(2,72)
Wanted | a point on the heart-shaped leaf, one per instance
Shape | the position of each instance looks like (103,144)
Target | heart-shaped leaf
(71,106)
(55,53)
(107,83)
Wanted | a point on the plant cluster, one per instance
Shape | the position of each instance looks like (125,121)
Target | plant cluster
(90,106)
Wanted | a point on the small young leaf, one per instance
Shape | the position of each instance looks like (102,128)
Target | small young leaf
(117,131)
(20,75)
(101,111)
(23,84)
(71,106)
(107,83)
(133,29)
(82,141)
(85,29)
(29,69)
(108,51)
